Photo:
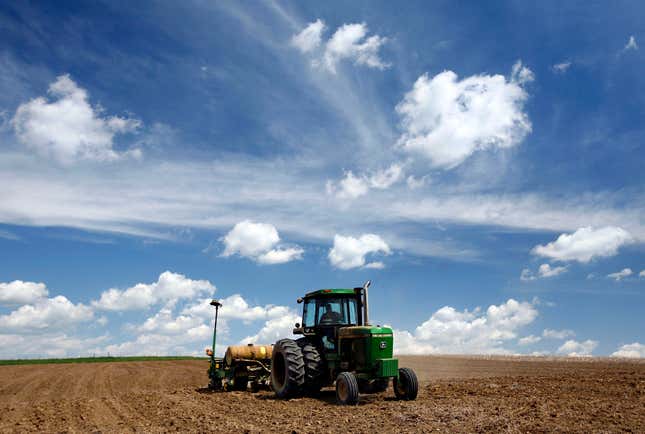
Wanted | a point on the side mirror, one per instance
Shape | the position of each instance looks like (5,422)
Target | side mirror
(297,325)
(299,300)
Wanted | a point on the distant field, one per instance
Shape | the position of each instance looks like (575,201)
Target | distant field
(96,360)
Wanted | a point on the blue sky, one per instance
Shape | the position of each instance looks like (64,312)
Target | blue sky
(481,164)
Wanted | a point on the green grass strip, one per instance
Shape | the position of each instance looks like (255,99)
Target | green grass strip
(97,360)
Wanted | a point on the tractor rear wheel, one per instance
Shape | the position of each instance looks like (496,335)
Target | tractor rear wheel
(346,389)
(287,369)
(406,386)
(314,367)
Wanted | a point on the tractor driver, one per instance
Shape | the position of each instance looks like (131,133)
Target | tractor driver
(330,316)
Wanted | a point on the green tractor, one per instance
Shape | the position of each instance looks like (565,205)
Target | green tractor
(339,345)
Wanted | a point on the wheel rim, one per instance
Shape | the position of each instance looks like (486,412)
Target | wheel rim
(342,390)
(400,386)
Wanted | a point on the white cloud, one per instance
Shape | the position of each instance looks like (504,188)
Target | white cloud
(163,322)
(19,292)
(574,349)
(631,44)
(236,307)
(526,275)
(377,265)
(450,331)
(169,287)
(561,68)
(529,340)
(349,42)
(274,329)
(352,186)
(309,38)
(635,350)
(349,252)
(446,119)
(585,244)
(544,270)
(416,182)
(382,179)
(620,275)
(44,344)
(258,241)
(280,256)
(68,128)
(641,274)
(46,314)
(557,334)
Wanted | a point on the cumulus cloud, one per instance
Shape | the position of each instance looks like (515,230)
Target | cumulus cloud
(51,314)
(163,322)
(349,252)
(349,42)
(641,274)
(236,307)
(274,329)
(446,119)
(561,68)
(450,331)
(635,350)
(544,270)
(184,332)
(310,37)
(585,244)
(258,241)
(169,287)
(529,340)
(352,186)
(557,334)
(620,275)
(575,349)
(631,44)
(19,292)
(68,128)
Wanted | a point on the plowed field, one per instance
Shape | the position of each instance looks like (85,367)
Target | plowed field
(458,394)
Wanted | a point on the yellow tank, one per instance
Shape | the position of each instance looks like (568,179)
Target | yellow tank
(248,352)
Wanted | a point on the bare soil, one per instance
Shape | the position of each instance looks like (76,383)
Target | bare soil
(458,394)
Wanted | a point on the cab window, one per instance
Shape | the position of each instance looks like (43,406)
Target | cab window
(329,311)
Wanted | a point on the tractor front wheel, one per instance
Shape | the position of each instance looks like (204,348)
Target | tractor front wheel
(346,389)
(287,369)
(406,386)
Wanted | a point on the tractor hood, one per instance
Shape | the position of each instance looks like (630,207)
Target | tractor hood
(361,331)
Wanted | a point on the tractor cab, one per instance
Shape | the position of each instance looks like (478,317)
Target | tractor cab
(326,311)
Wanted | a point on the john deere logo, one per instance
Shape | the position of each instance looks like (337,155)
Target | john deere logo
(383,345)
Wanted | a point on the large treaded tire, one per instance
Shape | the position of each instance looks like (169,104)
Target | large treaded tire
(314,367)
(346,389)
(406,386)
(287,369)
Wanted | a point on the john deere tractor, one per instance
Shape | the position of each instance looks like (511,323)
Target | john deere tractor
(339,345)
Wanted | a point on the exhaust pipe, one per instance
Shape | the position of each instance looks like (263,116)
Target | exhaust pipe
(366,320)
